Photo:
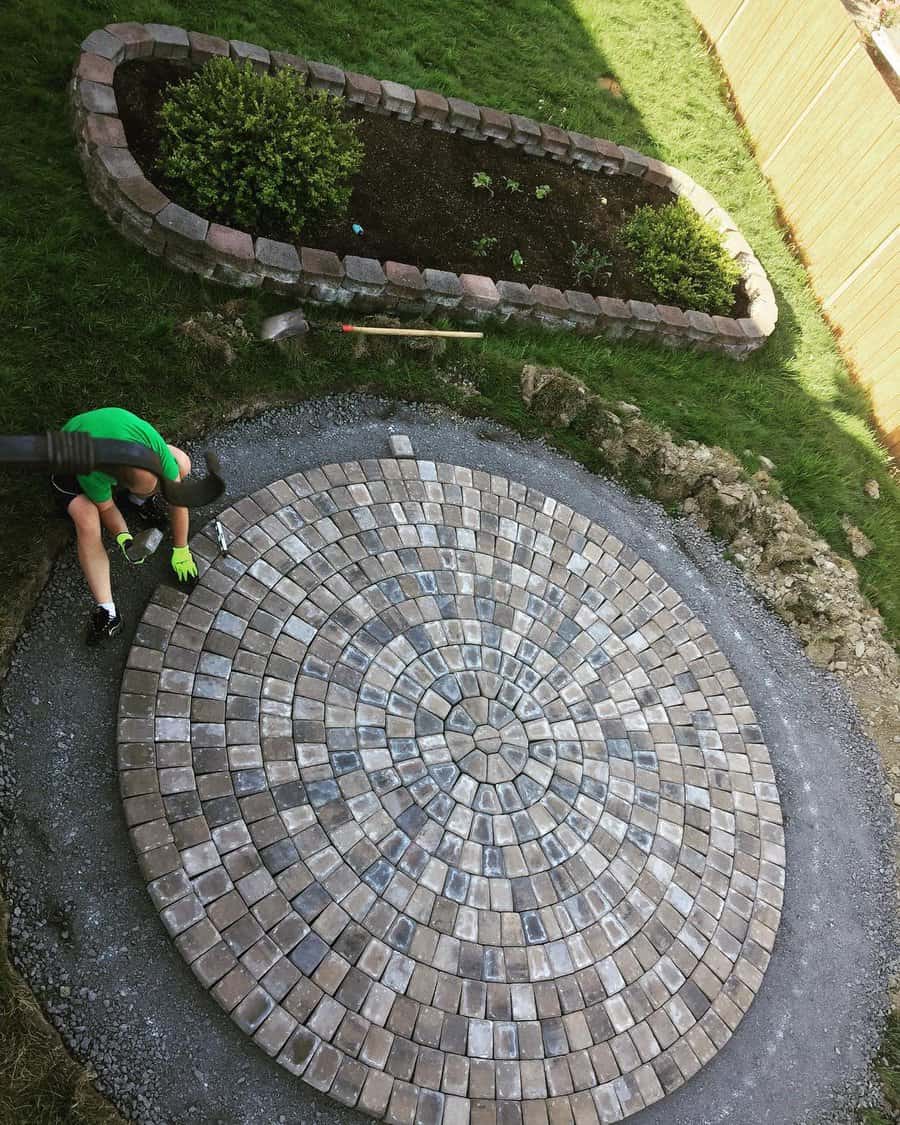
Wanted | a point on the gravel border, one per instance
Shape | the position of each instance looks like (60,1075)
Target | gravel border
(84,933)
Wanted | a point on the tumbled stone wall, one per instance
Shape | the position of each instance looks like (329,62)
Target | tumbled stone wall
(189,242)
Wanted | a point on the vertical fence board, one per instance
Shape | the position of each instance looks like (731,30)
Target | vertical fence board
(870,334)
(778,57)
(714,15)
(826,130)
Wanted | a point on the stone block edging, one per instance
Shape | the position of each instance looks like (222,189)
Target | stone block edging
(191,243)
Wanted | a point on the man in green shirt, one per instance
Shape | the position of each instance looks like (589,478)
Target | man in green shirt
(88,500)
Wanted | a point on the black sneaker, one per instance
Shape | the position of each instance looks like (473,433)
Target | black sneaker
(102,625)
(154,512)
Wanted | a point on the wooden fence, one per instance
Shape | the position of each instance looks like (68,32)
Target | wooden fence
(825,127)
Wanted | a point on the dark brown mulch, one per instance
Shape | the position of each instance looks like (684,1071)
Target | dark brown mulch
(416,202)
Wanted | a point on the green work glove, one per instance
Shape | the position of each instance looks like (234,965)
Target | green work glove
(125,539)
(183,564)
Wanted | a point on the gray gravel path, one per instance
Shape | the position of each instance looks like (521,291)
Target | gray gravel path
(85,933)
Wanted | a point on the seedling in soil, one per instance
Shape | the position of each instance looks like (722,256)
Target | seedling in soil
(511,185)
(481,247)
(517,260)
(542,191)
(589,262)
(483,180)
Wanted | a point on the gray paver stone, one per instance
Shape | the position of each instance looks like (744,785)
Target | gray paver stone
(323,76)
(257,56)
(181,226)
(104,44)
(398,99)
(169,42)
(400,445)
(463,115)
(281,60)
(278,260)
(206,47)
(97,97)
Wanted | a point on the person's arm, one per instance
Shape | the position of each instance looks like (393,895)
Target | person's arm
(182,560)
(111,518)
(179,521)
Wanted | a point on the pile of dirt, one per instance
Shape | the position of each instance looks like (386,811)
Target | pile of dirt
(220,334)
(813,589)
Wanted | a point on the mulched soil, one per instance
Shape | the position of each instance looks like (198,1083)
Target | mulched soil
(415,199)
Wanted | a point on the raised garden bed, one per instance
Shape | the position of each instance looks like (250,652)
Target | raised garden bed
(417,203)
(420,219)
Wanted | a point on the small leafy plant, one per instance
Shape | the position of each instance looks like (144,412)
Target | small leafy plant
(511,185)
(257,151)
(682,257)
(552,115)
(589,263)
(481,247)
(517,260)
(542,191)
(483,180)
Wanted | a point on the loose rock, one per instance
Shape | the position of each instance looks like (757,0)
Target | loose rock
(812,588)
(860,544)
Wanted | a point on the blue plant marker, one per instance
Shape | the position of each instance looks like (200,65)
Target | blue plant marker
(356,228)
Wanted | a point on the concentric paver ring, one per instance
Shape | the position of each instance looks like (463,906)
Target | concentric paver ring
(450,800)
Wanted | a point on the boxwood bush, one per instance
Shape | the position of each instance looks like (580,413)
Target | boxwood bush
(682,257)
(257,151)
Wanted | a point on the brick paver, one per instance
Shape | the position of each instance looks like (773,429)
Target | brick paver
(449,800)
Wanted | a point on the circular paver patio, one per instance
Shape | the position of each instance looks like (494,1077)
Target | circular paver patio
(450,800)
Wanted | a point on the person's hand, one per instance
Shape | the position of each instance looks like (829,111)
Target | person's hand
(183,564)
(137,549)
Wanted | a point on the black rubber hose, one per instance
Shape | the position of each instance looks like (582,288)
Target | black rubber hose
(79,453)
(196,492)
(75,452)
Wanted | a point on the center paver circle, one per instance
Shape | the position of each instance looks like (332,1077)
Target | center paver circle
(450,800)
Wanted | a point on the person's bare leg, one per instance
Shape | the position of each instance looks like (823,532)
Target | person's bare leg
(138,481)
(91,552)
(142,483)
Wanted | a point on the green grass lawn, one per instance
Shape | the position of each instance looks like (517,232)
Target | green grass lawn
(89,320)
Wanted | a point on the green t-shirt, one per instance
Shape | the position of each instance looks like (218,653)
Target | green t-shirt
(122,425)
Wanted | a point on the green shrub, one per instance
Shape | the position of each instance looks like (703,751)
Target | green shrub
(257,151)
(682,257)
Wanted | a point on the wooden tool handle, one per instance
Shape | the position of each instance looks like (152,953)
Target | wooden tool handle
(411,332)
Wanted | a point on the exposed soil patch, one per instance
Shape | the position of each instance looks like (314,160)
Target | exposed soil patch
(416,202)
(610,84)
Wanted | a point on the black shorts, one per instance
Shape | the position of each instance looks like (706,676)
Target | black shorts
(65,488)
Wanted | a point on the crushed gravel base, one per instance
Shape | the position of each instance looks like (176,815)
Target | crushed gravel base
(84,933)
